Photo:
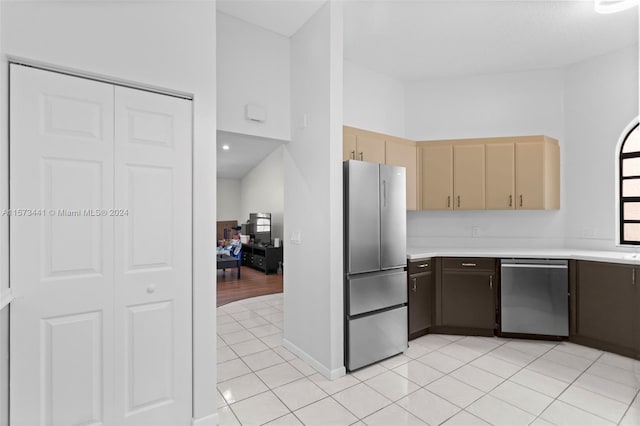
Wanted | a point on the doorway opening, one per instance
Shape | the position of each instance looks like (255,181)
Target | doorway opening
(250,206)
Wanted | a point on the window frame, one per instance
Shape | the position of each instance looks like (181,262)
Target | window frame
(620,199)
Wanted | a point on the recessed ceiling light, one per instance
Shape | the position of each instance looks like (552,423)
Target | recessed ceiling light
(225,147)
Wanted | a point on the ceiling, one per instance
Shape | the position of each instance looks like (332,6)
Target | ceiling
(245,152)
(413,40)
(419,39)
(284,17)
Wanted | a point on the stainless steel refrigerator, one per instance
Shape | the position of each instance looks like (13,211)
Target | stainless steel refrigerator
(375,282)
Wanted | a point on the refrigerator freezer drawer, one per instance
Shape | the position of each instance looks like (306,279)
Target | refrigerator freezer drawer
(376,337)
(377,290)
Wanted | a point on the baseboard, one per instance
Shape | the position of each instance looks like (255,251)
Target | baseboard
(320,368)
(210,420)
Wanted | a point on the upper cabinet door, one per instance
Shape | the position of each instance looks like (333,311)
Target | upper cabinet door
(468,178)
(404,154)
(529,175)
(370,148)
(437,177)
(348,145)
(500,176)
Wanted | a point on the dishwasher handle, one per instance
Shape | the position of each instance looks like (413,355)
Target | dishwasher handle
(531,265)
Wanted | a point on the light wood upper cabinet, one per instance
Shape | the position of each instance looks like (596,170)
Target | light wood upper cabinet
(437,177)
(349,145)
(537,169)
(400,152)
(500,176)
(468,177)
(521,172)
(371,148)
(362,145)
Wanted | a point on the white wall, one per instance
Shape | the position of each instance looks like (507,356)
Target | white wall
(165,44)
(229,200)
(253,68)
(526,103)
(373,101)
(506,104)
(313,195)
(262,190)
(601,99)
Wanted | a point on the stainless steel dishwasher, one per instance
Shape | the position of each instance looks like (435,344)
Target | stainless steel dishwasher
(534,297)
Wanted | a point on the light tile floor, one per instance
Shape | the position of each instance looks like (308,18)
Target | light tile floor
(450,380)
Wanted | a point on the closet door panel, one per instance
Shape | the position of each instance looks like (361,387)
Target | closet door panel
(61,249)
(153,263)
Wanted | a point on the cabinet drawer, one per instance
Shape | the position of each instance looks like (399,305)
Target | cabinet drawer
(419,265)
(469,263)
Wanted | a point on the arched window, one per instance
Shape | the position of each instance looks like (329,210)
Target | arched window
(629,181)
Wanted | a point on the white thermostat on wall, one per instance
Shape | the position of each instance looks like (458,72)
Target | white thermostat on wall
(255,113)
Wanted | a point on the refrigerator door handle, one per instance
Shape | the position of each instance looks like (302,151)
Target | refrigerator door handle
(384,193)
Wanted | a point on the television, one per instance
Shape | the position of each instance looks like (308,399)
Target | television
(260,229)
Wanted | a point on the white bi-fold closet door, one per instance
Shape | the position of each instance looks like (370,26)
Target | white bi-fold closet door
(100,255)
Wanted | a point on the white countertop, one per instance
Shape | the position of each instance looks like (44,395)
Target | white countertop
(565,253)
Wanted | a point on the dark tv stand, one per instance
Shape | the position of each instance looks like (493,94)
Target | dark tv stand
(264,258)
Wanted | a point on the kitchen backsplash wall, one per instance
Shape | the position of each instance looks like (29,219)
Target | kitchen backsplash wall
(485,229)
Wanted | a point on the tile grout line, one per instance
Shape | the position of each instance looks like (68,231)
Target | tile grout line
(384,369)
(629,406)
(567,388)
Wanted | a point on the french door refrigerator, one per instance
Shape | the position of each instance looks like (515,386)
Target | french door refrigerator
(375,282)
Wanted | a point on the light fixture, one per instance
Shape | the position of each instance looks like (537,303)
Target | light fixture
(613,6)
(225,147)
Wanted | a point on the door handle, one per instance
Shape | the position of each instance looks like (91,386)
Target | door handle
(469,265)
(510,200)
(458,201)
(414,285)
(384,193)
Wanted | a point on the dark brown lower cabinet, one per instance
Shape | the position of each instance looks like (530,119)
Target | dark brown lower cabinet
(421,289)
(466,296)
(605,307)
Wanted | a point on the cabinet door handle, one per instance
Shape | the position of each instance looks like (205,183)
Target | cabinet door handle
(414,285)
(353,154)
(424,265)
(361,156)
(633,276)
(510,200)
(458,201)
(448,201)
(491,282)
(520,200)
(469,265)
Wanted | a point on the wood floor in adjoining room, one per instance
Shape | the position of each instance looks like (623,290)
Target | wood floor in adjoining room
(252,283)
